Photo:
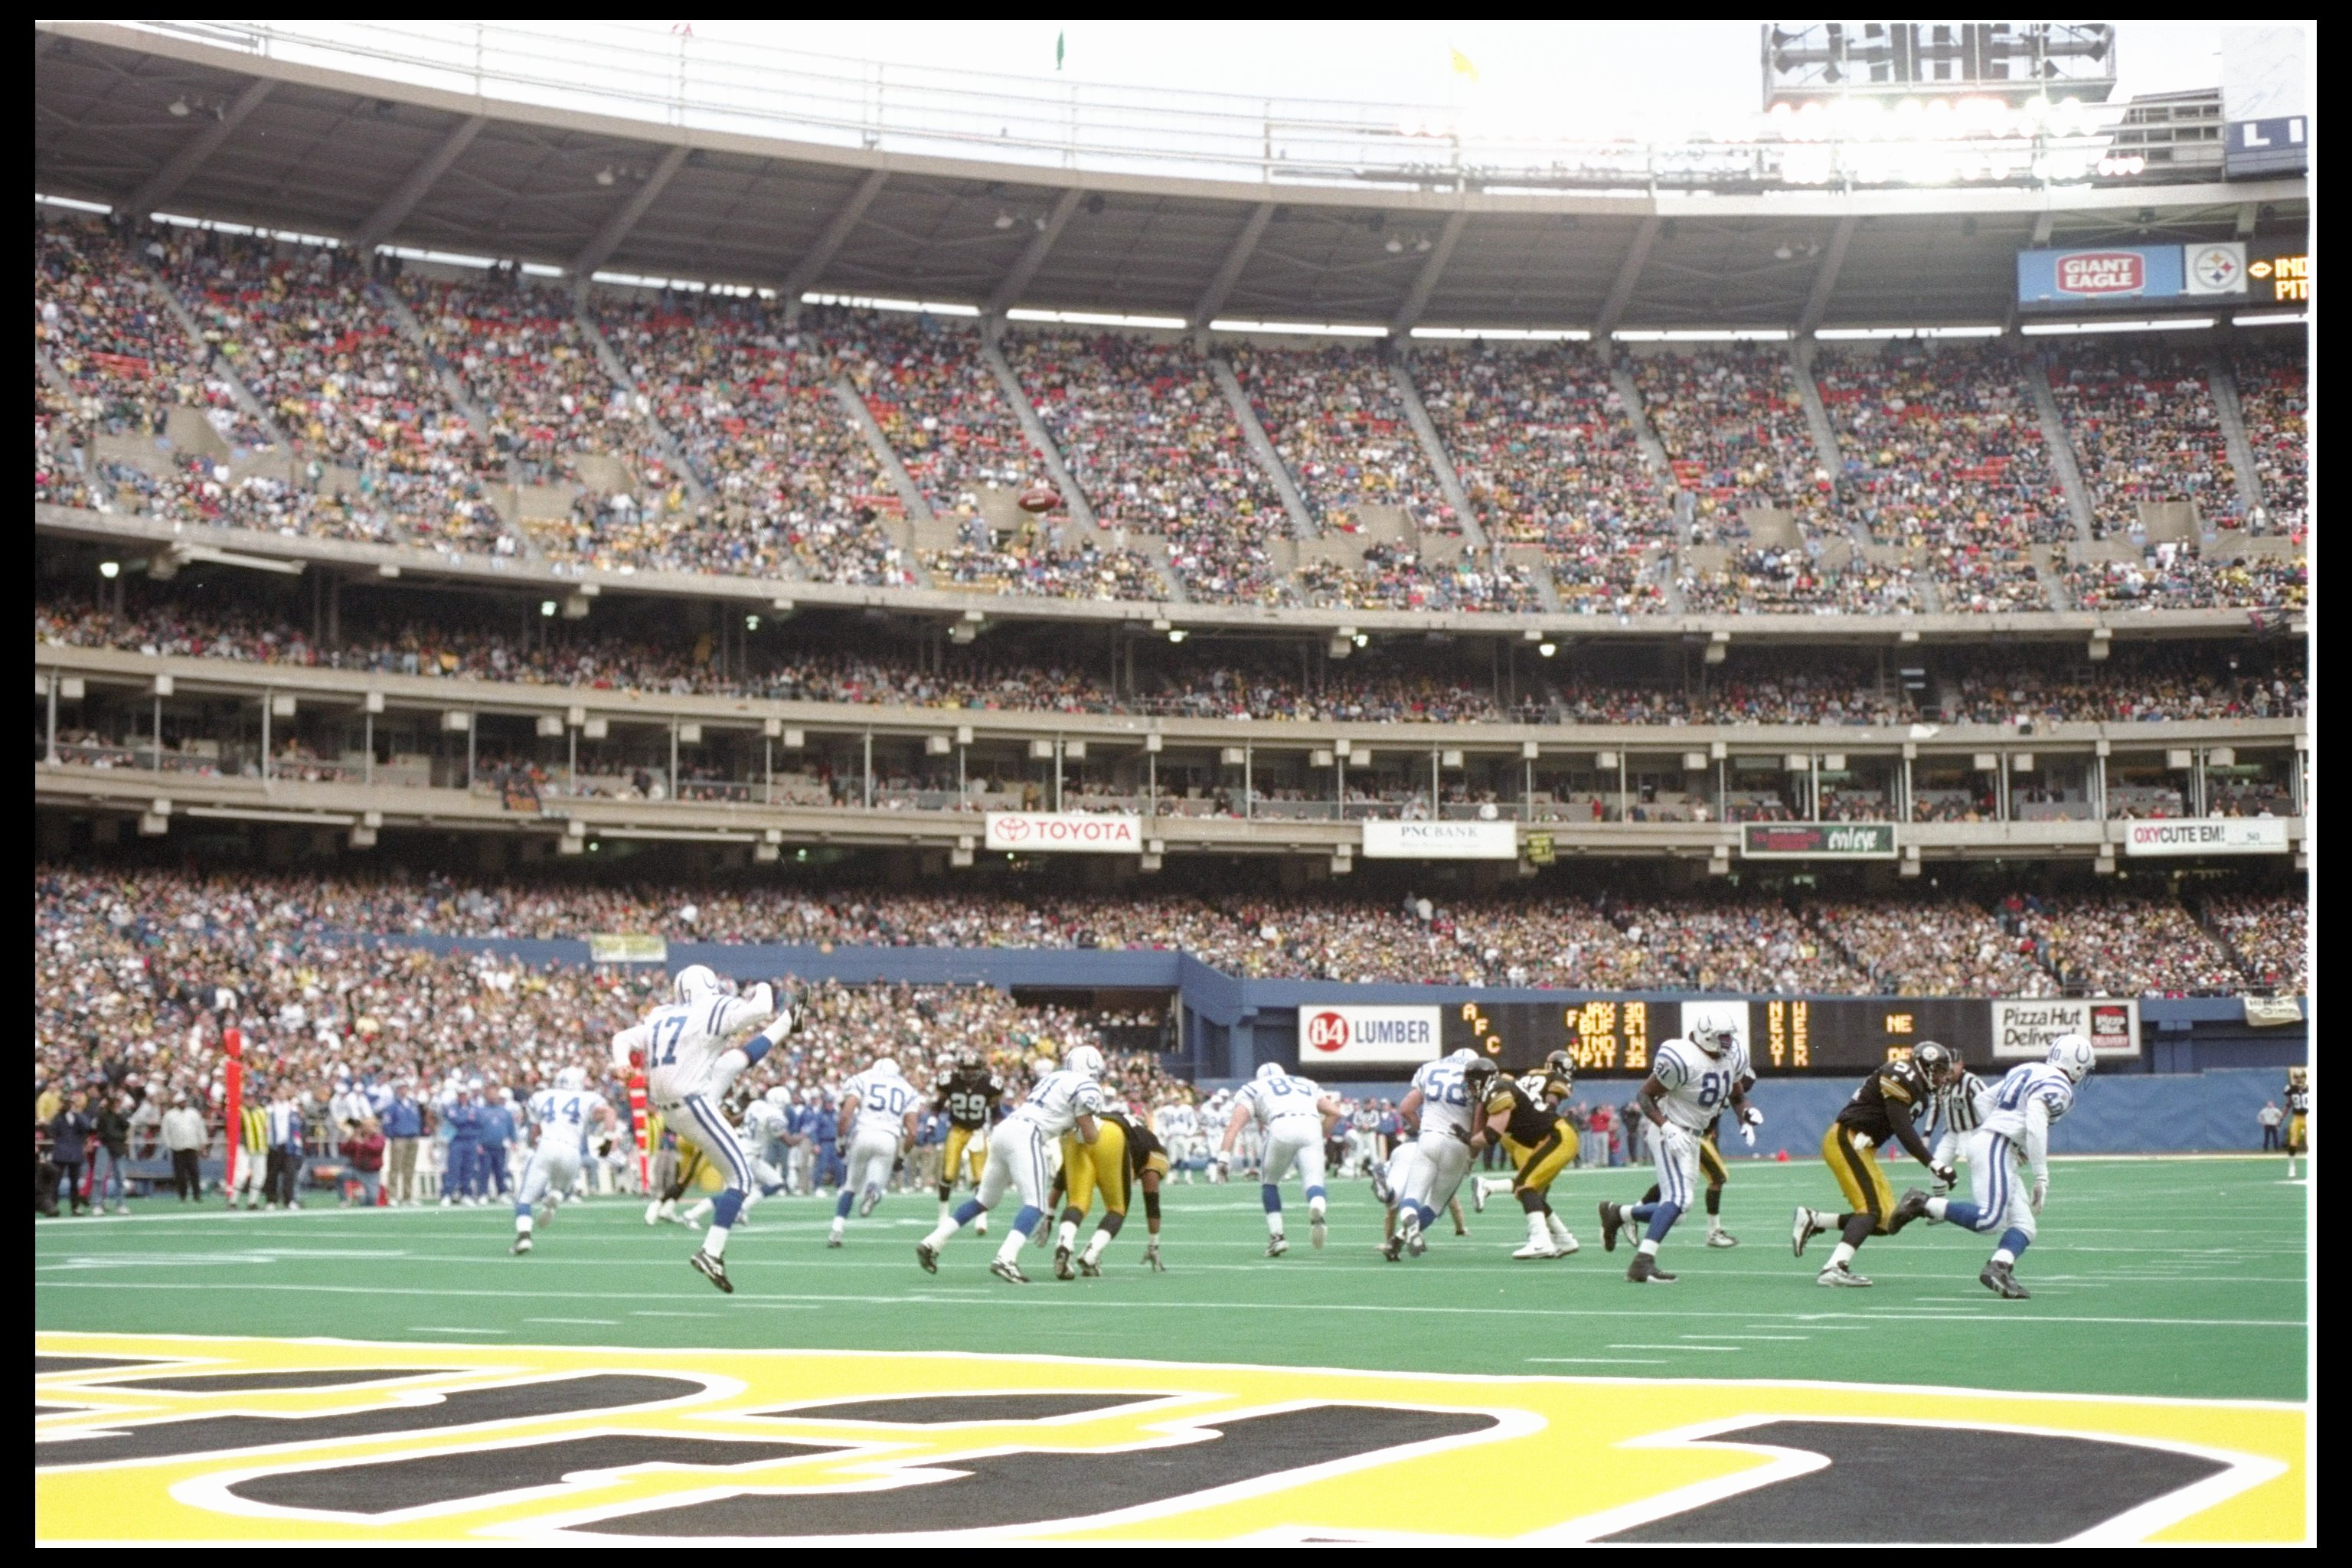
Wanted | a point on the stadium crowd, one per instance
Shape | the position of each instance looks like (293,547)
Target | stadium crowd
(2274,383)
(1907,944)
(1735,432)
(1153,445)
(1334,416)
(2145,426)
(1201,681)
(923,380)
(1541,441)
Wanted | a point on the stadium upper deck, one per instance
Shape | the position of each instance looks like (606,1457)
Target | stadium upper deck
(646,435)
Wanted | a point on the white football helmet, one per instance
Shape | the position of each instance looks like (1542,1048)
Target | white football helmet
(1467,1054)
(693,983)
(779,1096)
(570,1080)
(1269,1070)
(1712,1038)
(2071,1055)
(1084,1060)
(887,1065)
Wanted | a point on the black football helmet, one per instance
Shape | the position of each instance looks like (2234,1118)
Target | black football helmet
(1935,1063)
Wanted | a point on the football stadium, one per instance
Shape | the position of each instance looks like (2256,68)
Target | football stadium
(1060,783)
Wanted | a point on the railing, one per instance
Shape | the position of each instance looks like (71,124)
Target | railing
(723,83)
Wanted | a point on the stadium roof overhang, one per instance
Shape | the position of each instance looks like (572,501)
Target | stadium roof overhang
(299,148)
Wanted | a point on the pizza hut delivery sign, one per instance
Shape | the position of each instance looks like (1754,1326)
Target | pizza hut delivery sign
(1334,1032)
(2094,272)
(1064,831)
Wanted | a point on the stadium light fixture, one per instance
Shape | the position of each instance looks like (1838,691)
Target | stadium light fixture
(547,607)
(2270,319)
(1546,648)
(1508,334)
(1004,220)
(1095,319)
(1363,640)
(1299,329)
(109,570)
(751,623)
(179,107)
(2068,329)
(1178,634)
(1394,247)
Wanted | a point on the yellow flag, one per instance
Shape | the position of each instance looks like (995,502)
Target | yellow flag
(1462,66)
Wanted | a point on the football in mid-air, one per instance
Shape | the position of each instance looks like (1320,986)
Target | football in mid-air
(1041,497)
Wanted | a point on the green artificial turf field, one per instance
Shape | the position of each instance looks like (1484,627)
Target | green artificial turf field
(2173,1277)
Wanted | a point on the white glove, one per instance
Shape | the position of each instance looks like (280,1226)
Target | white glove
(1944,1176)
(2040,1191)
(1752,1116)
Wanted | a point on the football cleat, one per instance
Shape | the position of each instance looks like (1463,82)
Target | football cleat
(1645,1271)
(1151,1258)
(1392,1248)
(1839,1274)
(832,1240)
(653,1210)
(1381,1193)
(1409,1233)
(1911,1206)
(1004,1269)
(1090,1267)
(1061,1270)
(521,1246)
(1316,1232)
(1721,1238)
(1276,1246)
(980,1225)
(1562,1236)
(928,1256)
(1801,1231)
(1478,1194)
(713,1270)
(865,1205)
(1611,1222)
(1532,1250)
(2002,1281)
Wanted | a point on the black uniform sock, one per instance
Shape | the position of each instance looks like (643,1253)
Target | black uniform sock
(1652,1195)
(1151,1210)
(1533,1201)
(1857,1228)
(1714,1202)
(1072,1217)
(1111,1223)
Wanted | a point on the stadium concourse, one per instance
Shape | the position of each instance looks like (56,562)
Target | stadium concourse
(960,832)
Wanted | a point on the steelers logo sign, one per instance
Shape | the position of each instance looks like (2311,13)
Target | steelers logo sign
(2217,269)
(152,1438)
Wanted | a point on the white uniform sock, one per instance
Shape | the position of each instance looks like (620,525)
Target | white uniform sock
(1561,1235)
(1840,1255)
(1097,1244)
(714,1241)
(701,1211)
(1649,1248)
(1011,1249)
(1274,1223)
(522,1224)
(1538,1233)
(940,1232)
(1067,1236)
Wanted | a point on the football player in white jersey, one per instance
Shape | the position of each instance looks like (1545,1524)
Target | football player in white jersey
(1690,1083)
(1295,1117)
(691,1055)
(1059,1101)
(764,1129)
(2015,1129)
(878,1119)
(565,1117)
(1426,1175)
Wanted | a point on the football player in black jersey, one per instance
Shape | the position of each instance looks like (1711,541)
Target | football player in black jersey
(2298,1116)
(1524,1115)
(969,1096)
(1884,1107)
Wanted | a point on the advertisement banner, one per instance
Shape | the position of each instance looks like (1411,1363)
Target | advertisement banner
(1817,841)
(2267,147)
(626,947)
(1348,1036)
(1441,841)
(2022,1031)
(2208,836)
(1062,832)
(2131,275)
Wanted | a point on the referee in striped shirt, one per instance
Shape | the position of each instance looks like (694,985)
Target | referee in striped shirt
(1959,1107)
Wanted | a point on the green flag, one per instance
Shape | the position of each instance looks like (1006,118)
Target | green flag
(1060,40)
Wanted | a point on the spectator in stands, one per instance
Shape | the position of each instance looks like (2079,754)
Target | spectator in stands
(185,1138)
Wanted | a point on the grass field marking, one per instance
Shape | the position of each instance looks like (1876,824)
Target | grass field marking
(1747,1336)
(445,1329)
(589,1323)
(1597,1361)
(1058,1299)
(1727,1350)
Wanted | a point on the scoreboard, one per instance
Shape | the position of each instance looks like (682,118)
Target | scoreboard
(1795,1035)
